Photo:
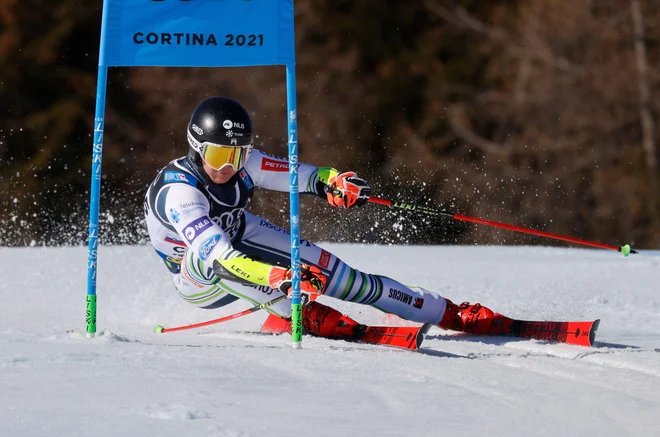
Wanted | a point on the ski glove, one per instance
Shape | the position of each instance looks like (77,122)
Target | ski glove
(312,280)
(250,271)
(348,190)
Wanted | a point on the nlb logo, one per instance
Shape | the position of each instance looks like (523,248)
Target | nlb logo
(228,124)
(196,227)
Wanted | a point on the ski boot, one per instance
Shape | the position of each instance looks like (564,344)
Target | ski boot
(319,320)
(474,319)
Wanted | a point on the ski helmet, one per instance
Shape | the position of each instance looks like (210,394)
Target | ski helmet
(220,134)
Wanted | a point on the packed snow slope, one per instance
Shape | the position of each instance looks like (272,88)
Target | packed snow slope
(226,380)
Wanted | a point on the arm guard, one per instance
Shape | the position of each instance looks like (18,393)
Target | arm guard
(323,176)
(242,269)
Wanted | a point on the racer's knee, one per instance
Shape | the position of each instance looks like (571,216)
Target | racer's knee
(199,288)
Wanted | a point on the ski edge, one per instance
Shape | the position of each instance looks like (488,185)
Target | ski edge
(421,334)
(592,332)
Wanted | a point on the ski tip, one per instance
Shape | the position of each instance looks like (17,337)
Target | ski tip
(421,334)
(592,332)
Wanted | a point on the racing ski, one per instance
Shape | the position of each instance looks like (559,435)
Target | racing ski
(578,333)
(406,337)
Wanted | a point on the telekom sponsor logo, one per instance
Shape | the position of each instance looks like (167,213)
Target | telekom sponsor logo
(274,165)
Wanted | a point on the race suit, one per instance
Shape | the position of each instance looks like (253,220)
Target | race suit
(192,221)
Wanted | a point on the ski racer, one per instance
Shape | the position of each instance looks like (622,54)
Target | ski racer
(217,252)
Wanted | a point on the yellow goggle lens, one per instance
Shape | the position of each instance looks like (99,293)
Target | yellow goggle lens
(217,156)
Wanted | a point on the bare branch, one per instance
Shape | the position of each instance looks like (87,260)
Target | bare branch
(648,126)
(534,48)
(460,124)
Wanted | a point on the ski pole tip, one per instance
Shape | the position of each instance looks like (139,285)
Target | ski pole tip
(626,250)
(159,329)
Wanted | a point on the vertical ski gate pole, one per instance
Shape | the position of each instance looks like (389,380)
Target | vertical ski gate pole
(296,303)
(196,33)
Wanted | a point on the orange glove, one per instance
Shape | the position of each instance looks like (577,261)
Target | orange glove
(312,280)
(348,190)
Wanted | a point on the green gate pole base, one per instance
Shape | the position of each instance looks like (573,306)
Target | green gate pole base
(296,325)
(90,316)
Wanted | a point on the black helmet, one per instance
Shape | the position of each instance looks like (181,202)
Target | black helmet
(218,125)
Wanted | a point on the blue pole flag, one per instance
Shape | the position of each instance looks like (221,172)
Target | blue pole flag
(196,33)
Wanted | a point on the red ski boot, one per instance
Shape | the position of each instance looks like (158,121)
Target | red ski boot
(319,320)
(475,319)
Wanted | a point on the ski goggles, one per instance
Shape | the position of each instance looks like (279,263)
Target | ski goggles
(218,155)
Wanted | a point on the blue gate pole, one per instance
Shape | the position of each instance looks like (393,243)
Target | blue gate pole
(296,304)
(94,201)
(95,190)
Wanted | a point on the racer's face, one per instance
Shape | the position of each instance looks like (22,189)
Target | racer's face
(219,176)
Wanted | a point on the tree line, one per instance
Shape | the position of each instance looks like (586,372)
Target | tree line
(540,113)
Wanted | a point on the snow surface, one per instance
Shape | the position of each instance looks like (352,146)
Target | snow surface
(224,380)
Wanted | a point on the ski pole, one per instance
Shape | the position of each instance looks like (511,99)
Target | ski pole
(625,249)
(162,329)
